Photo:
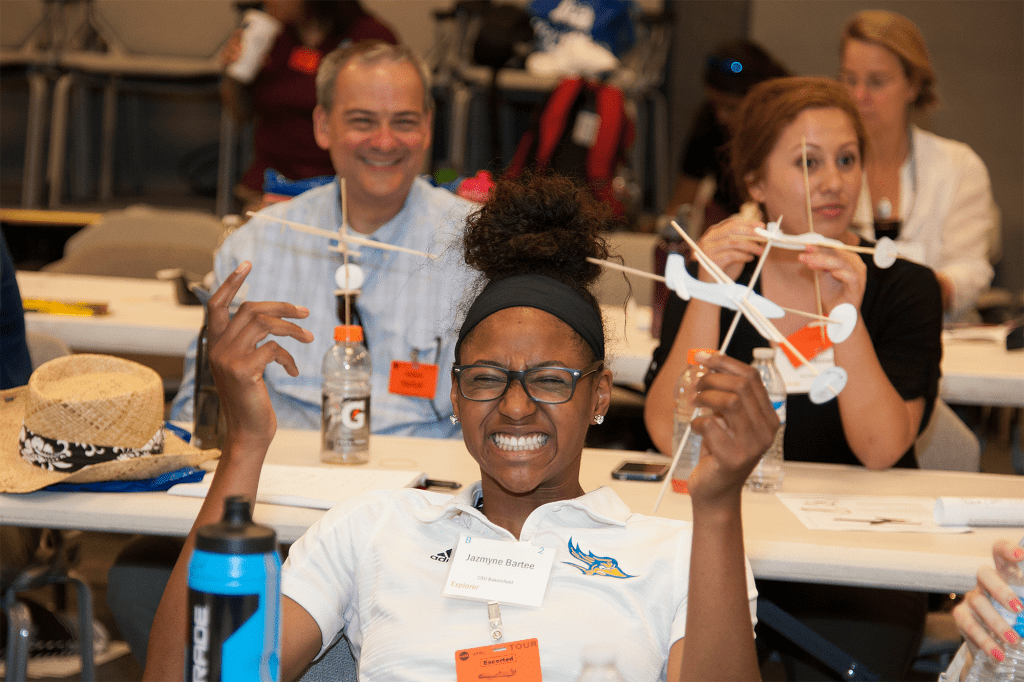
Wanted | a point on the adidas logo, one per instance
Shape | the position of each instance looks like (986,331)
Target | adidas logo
(443,557)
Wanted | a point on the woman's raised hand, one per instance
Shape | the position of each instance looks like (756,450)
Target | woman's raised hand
(729,245)
(847,275)
(741,427)
(975,616)
(238,360)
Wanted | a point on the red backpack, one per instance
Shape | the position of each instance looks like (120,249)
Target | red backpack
(582,131)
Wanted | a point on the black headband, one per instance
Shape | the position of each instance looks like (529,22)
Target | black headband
(543,293)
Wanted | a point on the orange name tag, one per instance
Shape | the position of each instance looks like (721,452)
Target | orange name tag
(416,379)
(519,660)
(304,59)
(810,341)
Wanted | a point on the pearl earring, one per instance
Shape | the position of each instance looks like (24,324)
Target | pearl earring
(454,418)
(599,419)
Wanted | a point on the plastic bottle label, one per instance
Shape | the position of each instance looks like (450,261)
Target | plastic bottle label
(353,414)
(780,410)
(346,424)
(233,611)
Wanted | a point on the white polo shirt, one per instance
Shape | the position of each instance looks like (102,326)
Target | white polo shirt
(376,565)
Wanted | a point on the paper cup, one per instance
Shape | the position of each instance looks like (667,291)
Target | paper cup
(259,30)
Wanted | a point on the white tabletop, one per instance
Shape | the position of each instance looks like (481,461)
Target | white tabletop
(145,317)
(777,544)
(144,314)
(974,372)
(982,373)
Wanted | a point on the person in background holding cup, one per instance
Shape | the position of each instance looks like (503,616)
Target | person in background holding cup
(932,194)
(281,94)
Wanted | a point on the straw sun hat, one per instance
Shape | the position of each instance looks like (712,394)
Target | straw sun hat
(86,418)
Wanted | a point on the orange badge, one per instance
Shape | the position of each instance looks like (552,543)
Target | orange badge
(808,340)
(304,60)
(518,661)
(416,379)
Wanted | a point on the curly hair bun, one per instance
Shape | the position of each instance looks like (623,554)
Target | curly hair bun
(540,224)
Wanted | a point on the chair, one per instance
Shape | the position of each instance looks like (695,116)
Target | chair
(55,555)
(31,35)
(150,46)
(44,347)
(947,443)
(140,240)
(51,565)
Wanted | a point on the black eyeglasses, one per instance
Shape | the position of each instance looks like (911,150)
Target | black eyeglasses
(551,385)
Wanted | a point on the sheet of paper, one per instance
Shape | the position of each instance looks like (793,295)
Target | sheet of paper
(866,513)
(314,487)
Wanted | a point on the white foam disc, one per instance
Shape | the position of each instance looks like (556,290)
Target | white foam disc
(827,385)
(845,315)
(349,276)
(885,253)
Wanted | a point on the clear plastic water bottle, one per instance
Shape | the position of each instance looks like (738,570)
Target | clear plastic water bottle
(345,423)
(987,669)
(234,600)
(599,664)
(685,392)
(767,476)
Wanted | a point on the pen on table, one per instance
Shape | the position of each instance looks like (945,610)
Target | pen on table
(433,483)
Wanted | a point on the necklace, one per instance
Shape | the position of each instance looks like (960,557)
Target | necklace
(883,208)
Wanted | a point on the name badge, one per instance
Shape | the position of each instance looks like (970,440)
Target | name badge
(519,660)
(800,377)
(416,379)
(494,570)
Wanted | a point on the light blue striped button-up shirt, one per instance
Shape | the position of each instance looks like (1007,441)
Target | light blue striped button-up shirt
(408,303)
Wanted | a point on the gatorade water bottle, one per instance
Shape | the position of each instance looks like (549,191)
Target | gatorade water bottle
(345,420)
(234,600)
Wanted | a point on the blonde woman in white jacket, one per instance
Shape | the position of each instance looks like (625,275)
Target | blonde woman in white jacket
(937,189)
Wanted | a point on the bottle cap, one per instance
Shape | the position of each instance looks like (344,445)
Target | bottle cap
(764,353)
(236,533)
(351,333)
(691,356)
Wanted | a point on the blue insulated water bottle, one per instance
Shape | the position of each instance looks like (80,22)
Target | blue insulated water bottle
(234,600)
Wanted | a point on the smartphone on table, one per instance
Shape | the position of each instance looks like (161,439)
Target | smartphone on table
(635,470)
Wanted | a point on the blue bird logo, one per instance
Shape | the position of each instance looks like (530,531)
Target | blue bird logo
(595,565)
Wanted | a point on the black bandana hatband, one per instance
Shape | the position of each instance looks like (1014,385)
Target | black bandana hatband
(67,456)
(543,293)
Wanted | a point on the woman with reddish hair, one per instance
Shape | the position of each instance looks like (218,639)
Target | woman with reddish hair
(891,357)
